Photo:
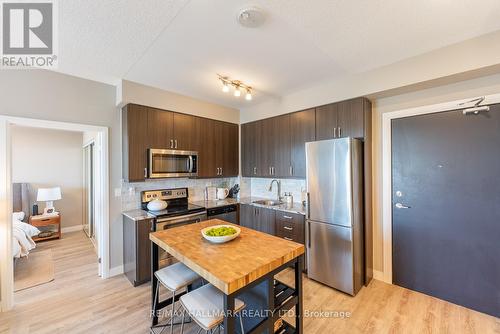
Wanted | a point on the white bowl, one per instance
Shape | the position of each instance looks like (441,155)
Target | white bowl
(221,239)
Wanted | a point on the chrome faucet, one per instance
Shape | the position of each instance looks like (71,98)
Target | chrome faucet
(279,188)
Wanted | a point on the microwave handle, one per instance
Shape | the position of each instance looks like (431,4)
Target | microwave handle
(190,163)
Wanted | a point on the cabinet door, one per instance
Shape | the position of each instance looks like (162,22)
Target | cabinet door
(230,148)
(350,118)
(249,149)
(205,130)
(281,147)
(268,137)
(247,215)
(266,220)
(184,136)
(134,142)
(326,121)
(302,130)
(160,128)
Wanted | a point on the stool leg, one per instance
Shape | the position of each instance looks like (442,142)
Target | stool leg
(182,323)
(156,298)
(241,323)
(173,313)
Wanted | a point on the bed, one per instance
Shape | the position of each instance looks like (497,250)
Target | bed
(22,233)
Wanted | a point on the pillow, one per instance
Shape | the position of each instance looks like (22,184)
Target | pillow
(30,230)
(18,216)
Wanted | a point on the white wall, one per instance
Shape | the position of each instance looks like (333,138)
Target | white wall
(53,96)
(131,92)
(50,158)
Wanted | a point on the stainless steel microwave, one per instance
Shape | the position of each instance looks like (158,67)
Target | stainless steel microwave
(172,163)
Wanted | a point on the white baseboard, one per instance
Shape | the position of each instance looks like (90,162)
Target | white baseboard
(118,270)
(72,229)
(378,275)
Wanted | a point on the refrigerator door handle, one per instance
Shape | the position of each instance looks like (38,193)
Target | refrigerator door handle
(308,198)
(308,234)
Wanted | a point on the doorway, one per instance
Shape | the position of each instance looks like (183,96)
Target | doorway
(88,192)
(445,206)
(101,197)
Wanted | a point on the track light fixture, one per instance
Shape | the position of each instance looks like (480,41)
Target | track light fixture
(237,85)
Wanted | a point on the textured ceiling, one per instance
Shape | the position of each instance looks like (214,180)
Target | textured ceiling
(180,45)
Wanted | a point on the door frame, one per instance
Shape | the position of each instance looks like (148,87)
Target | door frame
(101,193)
(387,118)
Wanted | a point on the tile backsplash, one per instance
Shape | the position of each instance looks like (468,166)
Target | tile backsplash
(259,187)
(131,192)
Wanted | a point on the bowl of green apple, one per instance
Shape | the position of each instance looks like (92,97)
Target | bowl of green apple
(219,234)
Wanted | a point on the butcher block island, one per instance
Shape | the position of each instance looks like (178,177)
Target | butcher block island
(242,268)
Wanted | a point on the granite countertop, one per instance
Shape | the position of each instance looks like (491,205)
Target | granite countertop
(216,203)
(137,214)
(293,207)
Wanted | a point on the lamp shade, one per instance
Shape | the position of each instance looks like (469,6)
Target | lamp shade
(49,194)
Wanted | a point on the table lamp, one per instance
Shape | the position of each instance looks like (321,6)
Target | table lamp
(49,195)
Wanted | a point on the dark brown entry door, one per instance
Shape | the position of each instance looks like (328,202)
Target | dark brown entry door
(446,207)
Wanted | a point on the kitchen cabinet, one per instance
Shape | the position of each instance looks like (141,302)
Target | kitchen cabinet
(342,119)
(257,218)
(184,137)
(290,226)
(134,142)
(216,142)
(160,129)
(302,130)
(250,153)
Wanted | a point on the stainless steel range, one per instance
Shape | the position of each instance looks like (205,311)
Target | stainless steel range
(177,213)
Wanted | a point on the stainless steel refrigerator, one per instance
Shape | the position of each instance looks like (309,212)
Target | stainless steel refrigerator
(334,231)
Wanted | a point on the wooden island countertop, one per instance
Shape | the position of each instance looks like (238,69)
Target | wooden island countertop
(232,265)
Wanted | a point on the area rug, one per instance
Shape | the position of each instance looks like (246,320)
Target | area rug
(36,269)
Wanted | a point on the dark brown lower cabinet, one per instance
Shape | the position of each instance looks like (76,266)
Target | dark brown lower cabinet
(290,226)
(137,250)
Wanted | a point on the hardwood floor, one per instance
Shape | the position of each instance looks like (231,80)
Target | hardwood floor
(78,301)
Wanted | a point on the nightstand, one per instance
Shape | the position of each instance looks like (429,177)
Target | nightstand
(44,221)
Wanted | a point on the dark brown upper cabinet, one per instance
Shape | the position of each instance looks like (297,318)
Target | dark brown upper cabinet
(342,119)
(160,128)
(280,154)
(302,130)
(134,142)
(227,149)
(216,142)
(184,137)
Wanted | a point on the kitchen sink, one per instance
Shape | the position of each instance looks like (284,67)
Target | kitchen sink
(268,202)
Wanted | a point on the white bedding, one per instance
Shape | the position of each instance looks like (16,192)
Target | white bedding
(22,234)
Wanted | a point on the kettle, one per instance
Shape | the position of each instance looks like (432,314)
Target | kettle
(222,193)
(157,205)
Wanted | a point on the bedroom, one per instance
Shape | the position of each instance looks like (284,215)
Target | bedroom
(52,170)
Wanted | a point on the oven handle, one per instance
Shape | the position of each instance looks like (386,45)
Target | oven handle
(180,218)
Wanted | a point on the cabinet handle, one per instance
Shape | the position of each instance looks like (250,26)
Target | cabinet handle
(335,132)
(287,217)
(175,143)
(145,172)
(291,170)
(340,132)
(270,173)
(217,170)
(221,171)
(171,143)
(288,228)
(290,239)
(255,171)
(272,169)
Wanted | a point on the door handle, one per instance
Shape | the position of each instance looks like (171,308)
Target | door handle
(340,132)
(335,132)
(308,234)
(145,172)
(288,228)
(287,217)
(175,143)
(171,143)
(221,171)
(308,205)
(291,170)
(401,206)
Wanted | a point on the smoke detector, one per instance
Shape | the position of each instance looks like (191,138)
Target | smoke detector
(251,17)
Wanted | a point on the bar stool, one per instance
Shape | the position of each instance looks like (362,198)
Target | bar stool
(205,306)
(174,278)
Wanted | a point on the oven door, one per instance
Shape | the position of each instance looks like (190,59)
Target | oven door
(164,258)
(172,163)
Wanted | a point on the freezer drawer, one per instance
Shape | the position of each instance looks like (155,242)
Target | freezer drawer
(330,256)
